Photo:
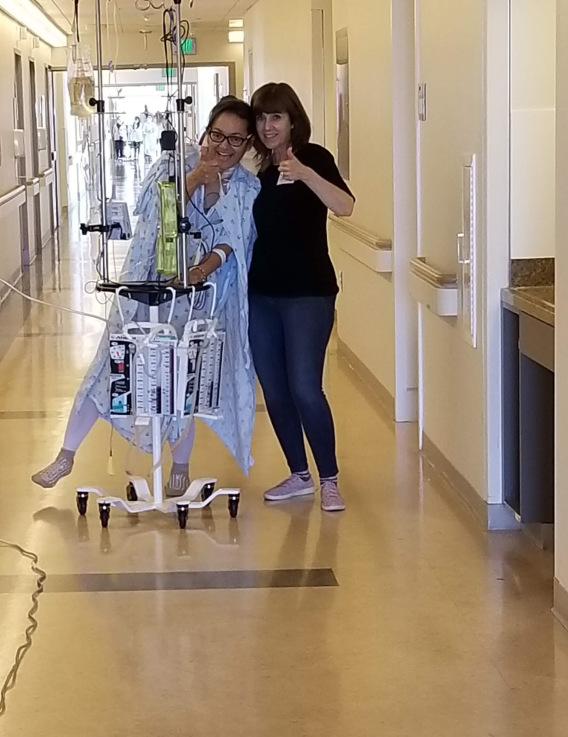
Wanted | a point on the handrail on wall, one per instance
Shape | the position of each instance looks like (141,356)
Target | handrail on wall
(360,234)
(429,273)
(7,198)
(433,289)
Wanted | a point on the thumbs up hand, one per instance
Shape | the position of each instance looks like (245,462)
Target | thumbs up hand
(208,169)
(292,169)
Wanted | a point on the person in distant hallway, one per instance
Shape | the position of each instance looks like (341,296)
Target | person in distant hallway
(118,135)
(136,136)
(292,288)
(149,137)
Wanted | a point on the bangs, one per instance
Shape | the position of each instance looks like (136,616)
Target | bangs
(271,100)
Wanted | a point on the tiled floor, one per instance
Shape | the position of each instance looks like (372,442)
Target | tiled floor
(398,618)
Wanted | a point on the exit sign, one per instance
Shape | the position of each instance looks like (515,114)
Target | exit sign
(189,46)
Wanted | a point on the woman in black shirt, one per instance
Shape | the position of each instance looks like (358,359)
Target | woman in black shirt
(292,288)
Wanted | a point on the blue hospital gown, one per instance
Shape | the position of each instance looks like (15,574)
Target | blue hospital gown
(229,222)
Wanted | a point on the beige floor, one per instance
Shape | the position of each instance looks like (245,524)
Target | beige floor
(436,629)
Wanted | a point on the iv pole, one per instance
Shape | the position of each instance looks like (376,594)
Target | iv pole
(139,497)
(99,104)
(180,103)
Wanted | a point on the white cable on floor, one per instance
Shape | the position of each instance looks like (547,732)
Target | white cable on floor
(50,304)
(10,680)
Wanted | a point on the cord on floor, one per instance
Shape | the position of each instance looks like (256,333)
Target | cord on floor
(10,680)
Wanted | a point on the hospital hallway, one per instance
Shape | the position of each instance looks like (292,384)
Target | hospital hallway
(399,617)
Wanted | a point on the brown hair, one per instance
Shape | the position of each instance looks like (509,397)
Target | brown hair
(234,106)
(279,97)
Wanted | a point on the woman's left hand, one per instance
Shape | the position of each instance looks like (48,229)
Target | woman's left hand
(292,168)
(194,277)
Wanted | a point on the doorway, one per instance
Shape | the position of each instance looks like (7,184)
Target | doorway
(35,159)
(19,125)
(51,123)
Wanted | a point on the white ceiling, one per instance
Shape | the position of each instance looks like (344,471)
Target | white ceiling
(212,14)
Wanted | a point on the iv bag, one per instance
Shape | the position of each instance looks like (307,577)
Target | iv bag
(81,80)
(166,245)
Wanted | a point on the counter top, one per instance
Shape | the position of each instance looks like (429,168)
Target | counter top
(535,301)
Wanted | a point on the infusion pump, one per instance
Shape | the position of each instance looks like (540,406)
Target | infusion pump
(152,373)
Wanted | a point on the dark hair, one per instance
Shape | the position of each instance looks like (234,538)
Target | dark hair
(232,105)
(279,97)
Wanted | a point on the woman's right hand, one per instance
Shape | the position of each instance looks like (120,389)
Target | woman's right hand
(207,170)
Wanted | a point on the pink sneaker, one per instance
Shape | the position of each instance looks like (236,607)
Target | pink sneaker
(331,499)
(291,487)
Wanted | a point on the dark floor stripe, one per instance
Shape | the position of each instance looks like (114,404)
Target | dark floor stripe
(45,335)
(175,581)
(32,415)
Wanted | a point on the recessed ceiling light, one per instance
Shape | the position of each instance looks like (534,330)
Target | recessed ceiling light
(237,23)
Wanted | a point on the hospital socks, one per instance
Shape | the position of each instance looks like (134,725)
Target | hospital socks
(61,467)
(178,482)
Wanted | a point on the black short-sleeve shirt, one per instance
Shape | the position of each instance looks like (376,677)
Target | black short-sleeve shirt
(291,254)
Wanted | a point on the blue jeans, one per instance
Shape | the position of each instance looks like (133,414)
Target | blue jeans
(289,338)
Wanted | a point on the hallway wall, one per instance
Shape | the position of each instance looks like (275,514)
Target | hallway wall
(533,101)
(281,44)
(453,371)
(366,321)
(10,263)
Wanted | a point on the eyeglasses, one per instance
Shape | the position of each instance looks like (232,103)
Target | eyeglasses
(234,141)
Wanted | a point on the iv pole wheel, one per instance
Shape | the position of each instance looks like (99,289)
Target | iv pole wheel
(234,506)
(82,502)
(104,514)
(182,512)
(131,494)
(207,491)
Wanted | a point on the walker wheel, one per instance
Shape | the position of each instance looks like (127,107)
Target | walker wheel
(234,505)
(82,502)
(131,494)
(182,512)
(104,514)
(207,491)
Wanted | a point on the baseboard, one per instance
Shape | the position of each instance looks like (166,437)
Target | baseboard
(560,608)
(489,516)
(380,393)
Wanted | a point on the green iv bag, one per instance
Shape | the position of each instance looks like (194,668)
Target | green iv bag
(167,243)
